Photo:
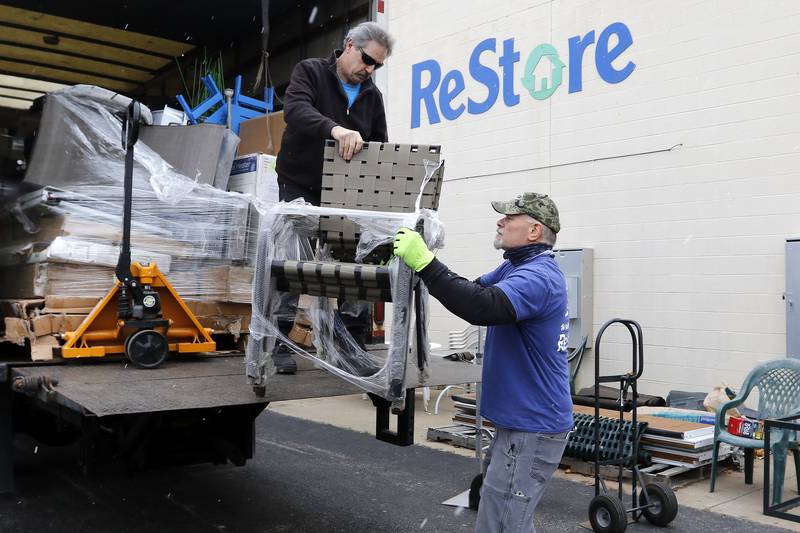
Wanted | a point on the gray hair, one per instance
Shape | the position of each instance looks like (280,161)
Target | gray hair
(548,236)
(370,31)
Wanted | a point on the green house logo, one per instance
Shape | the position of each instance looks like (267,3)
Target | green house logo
(547,86)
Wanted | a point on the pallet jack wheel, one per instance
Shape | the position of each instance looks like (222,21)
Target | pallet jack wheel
(475,492)
(663,504)
(146,348)
(607,514)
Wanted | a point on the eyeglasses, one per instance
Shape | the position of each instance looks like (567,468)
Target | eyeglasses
(369,60)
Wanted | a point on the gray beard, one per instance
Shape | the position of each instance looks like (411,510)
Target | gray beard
(498,243)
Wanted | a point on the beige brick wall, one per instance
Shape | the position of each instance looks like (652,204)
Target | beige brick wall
(688,240)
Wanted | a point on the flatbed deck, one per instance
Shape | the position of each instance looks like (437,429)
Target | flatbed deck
(105,388)
(191,409)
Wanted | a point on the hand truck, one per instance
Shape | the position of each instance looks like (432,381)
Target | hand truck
(656,501)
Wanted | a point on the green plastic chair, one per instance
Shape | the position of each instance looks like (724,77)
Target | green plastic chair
(778,384)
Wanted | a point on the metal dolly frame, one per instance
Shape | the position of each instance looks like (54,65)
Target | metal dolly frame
(656,501)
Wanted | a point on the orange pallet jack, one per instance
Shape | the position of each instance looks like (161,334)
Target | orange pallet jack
(141,316)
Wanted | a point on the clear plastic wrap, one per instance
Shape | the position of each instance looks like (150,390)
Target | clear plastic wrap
(288,242)
(196,233)
(196,242)
(79,143)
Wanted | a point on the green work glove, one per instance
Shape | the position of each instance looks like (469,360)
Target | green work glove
(409,246)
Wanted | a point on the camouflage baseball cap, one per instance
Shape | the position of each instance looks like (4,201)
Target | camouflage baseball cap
(539,206)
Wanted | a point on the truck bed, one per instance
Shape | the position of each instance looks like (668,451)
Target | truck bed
(192,409)
(105,388)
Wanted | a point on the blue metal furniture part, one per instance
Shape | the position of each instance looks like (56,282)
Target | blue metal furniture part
(778,384)
(241,107)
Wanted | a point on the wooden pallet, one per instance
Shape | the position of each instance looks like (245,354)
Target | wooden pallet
(674,476)
(460,435)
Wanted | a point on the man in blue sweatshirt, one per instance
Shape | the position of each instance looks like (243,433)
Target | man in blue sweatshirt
(525,390)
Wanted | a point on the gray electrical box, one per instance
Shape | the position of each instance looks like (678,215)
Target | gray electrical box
(576,264)
(791,297)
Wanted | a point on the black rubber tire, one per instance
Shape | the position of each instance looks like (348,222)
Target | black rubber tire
(664,504)
(146,348)
(128,338)
(475,492)
(607,514)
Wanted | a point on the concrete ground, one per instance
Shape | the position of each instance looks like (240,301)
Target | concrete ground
(731,498)
(310,476)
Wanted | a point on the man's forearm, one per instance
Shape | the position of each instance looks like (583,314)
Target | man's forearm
(482,306)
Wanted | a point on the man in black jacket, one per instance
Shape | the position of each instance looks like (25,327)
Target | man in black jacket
(333,98)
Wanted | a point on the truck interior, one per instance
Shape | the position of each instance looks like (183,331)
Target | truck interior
(151,51)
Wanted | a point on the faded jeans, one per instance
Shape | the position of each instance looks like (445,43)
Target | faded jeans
(518,467)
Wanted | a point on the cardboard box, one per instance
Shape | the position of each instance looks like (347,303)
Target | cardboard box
(262,134)
(255,174)
(169,117)
(42,325)
(42,348)
(746,427)
(40,279)
(222,317)
(54,303)
(202,152)
(17,330)
(240,284)
(302,336)
(84,252)
(20,308)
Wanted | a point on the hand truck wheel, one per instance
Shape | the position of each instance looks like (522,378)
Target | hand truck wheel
(607,514)
(475,491)
(663,506)
(146,348)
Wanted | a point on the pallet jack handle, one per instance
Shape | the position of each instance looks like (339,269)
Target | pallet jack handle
(130,134)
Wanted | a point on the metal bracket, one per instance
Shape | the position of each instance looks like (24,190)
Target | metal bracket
(404,436)
(31,385)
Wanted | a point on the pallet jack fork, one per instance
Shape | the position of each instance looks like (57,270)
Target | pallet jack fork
(141,316)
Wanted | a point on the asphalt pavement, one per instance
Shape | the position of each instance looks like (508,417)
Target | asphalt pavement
(306,477)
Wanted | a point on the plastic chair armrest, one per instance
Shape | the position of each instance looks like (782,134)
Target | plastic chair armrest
(720,423)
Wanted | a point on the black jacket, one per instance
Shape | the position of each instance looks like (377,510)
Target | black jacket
(313,104)
(469,300)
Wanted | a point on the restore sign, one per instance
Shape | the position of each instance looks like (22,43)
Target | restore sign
(441,94)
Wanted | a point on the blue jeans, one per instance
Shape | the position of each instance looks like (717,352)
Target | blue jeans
(518,467)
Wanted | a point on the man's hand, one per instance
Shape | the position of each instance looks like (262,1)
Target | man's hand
(411,248)
(350,141)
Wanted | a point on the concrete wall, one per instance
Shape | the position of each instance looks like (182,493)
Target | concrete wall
(682,177)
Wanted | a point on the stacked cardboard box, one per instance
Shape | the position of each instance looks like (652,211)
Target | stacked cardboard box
(38,323)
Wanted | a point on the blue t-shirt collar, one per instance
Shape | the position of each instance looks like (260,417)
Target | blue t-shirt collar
(351,91)
(523,253)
